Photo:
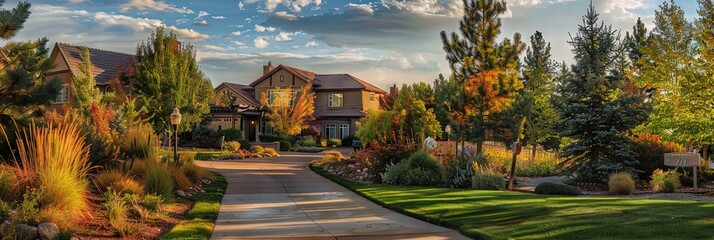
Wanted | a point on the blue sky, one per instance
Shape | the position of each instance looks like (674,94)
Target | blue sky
(382,41)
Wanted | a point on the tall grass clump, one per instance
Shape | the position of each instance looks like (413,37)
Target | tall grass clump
(138,143)
(665,181)
(54,160)
(196,173)
(157,178)
(8,183)
(621,184)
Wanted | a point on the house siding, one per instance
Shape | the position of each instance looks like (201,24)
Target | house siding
(273,81)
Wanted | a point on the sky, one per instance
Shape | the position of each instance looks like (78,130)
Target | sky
(384,42)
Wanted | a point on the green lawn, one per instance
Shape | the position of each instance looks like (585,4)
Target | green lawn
(504,215)
(200,220)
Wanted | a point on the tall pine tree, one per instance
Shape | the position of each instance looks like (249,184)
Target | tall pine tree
(539,76)
(596,115)
(486,71)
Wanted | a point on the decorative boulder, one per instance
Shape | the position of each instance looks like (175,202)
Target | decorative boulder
(25,231)
(180,193)
(47,231)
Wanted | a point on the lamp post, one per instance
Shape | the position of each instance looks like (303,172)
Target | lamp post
(448,131)
(176,120)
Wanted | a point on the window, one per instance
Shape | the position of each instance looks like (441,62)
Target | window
(331,130)
(63,95)
(371,97)
(334,100)
(276,93)
(282,78)
(344,131)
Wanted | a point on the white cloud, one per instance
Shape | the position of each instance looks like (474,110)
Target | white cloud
(261,42)
(311,44)
(621,8)
(213,47)
(293,5)
(153,5)
(76,1)
(248,20)
(189,34)
(202,14)
(295,47)
(202,23)
(285,15)
(259,28)
(218,17)
(432,7)
(236,33)
(283,55)
(241,6)
(360,8)
(240,44)
(283,37)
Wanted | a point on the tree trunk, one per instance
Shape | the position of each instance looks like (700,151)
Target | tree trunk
(479,148)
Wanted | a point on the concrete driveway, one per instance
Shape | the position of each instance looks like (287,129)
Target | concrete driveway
(281,198)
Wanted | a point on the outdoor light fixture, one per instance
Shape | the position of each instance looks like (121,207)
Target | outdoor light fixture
(176,120)
(448,131)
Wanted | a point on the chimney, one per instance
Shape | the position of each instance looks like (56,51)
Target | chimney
(267,68)
(393,90)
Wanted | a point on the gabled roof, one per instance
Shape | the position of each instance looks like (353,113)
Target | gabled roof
(105,64)
(302,74)
(324,82)
(239,89)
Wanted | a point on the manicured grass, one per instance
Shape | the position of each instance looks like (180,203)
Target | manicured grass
(503,215)
(200,220)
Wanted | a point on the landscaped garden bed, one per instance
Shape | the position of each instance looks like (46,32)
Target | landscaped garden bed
(502,215)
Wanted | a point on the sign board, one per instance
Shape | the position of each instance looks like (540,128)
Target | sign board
(681,159)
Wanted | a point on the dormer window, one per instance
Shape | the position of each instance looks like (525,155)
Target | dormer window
(335,100)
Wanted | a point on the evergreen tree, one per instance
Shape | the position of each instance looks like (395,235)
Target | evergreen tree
(486,71)
(168,77)
(84,87)
(443,92)
(596,115)
(23,91)
(539,76)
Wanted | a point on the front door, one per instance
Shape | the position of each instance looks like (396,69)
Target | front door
(250,130)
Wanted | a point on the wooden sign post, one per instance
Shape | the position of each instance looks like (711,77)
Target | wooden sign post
(516,148)
(684,159)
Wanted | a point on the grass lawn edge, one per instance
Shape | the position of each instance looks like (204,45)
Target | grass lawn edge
(200,220)
(349,184)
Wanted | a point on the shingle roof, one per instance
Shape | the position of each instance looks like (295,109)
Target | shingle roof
(105,64)
(343,82)
(239,88)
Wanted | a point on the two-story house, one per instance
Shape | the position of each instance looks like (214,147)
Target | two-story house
(340,101)
(106,66)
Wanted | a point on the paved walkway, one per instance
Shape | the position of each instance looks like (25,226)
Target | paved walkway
(281,198)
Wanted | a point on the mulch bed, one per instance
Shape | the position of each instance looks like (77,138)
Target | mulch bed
(98,226)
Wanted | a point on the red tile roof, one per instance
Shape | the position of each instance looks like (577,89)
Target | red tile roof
(105,64)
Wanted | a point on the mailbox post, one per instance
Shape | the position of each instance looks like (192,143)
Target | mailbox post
(684,159)
(516,148)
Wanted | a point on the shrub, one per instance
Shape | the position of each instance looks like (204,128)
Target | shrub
(116,211)
(231,134)
(381,155)
(270,137)
(650,150)
(323,143)
(137,169)
(308,141)
(257,149)
(204,137)
(271,152)
(8,183)
(152,202)
(196,173)
(105,179)
(54,160)
(128,185)
(138,141)
(347,141)
(186,157)
(333,153)
(621,184)
(334,142)
(488,179)
(420,169)
(665,181)
(457,174)
(328,159)
(556,189)
(157,178)
(396,174)
(232,146)
(244,144)
(285,145)
(180,181)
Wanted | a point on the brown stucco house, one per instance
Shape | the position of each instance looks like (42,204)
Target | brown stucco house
(106,67)
(340,101)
